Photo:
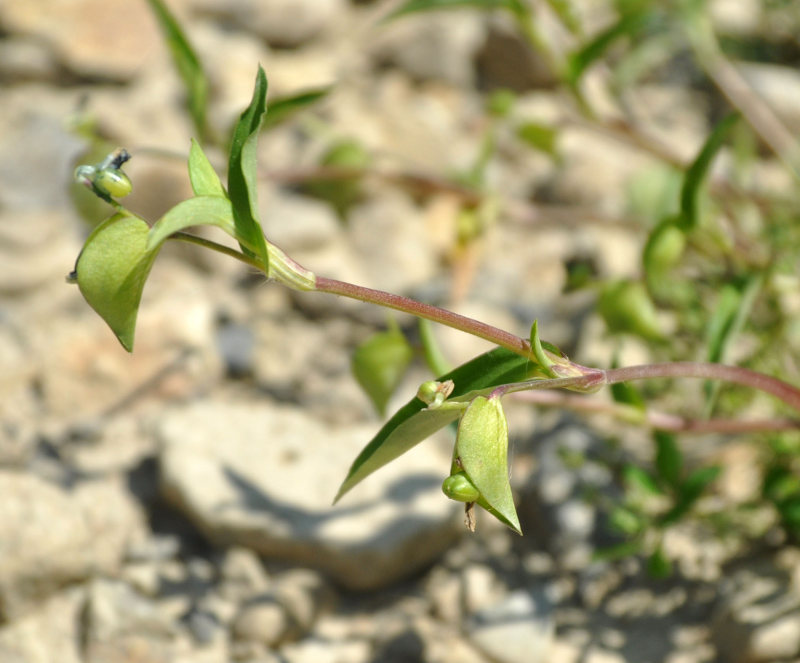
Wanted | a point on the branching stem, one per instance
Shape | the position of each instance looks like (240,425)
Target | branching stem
(583,376)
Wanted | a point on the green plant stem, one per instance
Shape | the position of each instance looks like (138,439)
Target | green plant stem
(585,377)
(784,391)
(219,248)
(433,313)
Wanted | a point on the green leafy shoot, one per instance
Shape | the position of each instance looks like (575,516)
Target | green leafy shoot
(630,24)
(689,492)
(696,174)
(187,63)
(282,109)
(416,6)
(669,459)
(379,365)
(639,481)
(414,421)
(431,350)
(204,179)
(727,321)
(732,310)
(243,176)
(658,564)
(565,10)
(540,137)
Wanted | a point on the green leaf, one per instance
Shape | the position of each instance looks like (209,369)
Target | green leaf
(416,6)
(341,192)
(111,272)
(197,211)
(414,422)
(629,24)
(696,174)
(669,459)
(380,363)
(780,483)
(482,447)
(790,514)
(434,357)
(618,551)
(204,179)
(283,108)
(540,137)
(638,480)
(689,492)
(536,345)
(626,521)
(565,10)
(187,63)
(626,308)
(720,324)
(627,394)
(697,482)
(663,249)
(243,175)
(733,308)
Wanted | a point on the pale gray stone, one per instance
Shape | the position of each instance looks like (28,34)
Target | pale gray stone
(283,23)
(299,223)
(50,537)
(438,45)
(758,612)
(114,609)
(264,622)
(51,634)
(392,244)
(517,629)
(263,476)
(85,46)
(779,87)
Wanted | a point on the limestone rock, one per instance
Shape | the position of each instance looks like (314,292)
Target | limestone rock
(283,23)
(263,476)
(50,537)
(51,634)
(758,612)
(517,629)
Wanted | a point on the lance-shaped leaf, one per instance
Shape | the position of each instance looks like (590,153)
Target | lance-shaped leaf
(186,62)
(204,179)
(482,447)
(415,6)
(282,109)
(696,174)
(112,269)
(630,24)
(414,421)
(243,176)
(380,363)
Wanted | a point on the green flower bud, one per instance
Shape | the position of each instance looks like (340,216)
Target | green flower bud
(458,487)
(106,178)
(113,182)
(435,393)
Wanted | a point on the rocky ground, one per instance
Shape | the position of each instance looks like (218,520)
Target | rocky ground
(174,505)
